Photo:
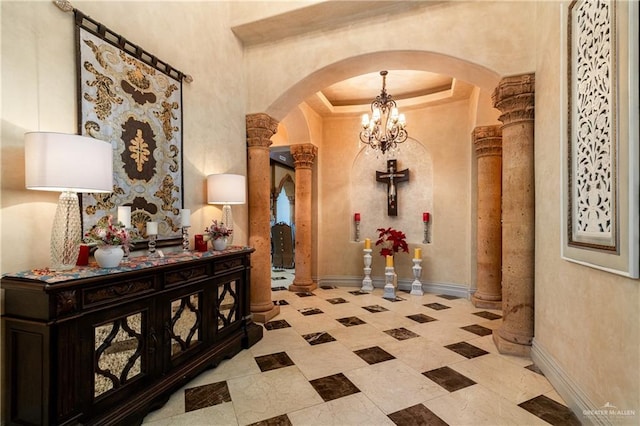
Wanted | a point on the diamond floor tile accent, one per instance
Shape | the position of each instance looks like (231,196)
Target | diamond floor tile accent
(478,329)
(276,324)
(206,396)
(334,387)
(375,308)
(550,411)
(448,297)
(466,350)
(374,355)
(487,315)
(401,333)
(449,379)
(416,415)
(318,338)
(350,321)
(305,294)
(310,311)
(336,300)
(282,420)
(437,306)
(273,361)
(421,318)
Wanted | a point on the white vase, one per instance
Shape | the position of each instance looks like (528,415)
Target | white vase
(220,244)
(109,256)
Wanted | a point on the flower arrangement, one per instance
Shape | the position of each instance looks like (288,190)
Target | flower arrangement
(392,241)
(216,231)
(105,233)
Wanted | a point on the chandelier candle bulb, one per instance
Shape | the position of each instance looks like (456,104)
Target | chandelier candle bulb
(124,216)
(152,228)
(185,217)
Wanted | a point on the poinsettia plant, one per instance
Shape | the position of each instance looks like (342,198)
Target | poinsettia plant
(392,241)
(106,233)
(216,231)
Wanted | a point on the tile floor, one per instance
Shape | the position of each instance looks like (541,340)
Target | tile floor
(337,357)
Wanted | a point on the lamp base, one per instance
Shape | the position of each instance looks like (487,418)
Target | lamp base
(66,233)
(227,220)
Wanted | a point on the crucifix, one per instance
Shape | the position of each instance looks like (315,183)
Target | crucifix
(391,177)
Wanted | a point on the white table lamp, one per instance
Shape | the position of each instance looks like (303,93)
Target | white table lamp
(226,189)
(70,164)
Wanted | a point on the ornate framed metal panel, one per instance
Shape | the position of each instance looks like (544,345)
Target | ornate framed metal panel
(132,99)
(601,222)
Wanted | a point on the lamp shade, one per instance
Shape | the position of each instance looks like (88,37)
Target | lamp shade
(64,162)
(226,189)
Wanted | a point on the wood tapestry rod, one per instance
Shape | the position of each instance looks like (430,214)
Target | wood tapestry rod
(119,41)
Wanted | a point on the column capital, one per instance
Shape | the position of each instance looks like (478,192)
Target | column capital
(260,128)
(303,155)
(487,140)
(515,98)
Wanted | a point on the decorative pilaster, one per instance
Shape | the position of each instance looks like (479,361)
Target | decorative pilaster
(514,97)
(303,156)
(260,128)
(488,146)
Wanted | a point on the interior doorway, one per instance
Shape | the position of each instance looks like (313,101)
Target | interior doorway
(282,217)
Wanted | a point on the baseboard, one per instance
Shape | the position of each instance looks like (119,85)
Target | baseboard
(569,390)
(457,290)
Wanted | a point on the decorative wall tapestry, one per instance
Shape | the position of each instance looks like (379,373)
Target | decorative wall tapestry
(601,170)
(134,100)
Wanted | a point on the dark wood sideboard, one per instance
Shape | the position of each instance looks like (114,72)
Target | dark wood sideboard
(98,346)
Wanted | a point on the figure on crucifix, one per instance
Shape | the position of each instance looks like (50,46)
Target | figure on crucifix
(391,177)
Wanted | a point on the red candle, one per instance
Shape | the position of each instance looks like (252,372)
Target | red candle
(425,217)
(356,217)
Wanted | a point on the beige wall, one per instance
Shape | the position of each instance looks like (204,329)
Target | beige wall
(587,322)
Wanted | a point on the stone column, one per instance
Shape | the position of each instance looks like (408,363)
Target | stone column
(303,157)
(488,145)
(514,97)
(260,128)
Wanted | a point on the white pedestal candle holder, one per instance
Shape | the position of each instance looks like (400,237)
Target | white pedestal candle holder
(389,288)
(367,283)
(416,285)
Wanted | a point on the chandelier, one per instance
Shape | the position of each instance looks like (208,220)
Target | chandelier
(385,130)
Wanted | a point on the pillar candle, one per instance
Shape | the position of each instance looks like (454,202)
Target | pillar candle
(367,243)
(356,217)
(425,217)
(389,261)
(185,217)
(124,216)
(417,253)
(152,228)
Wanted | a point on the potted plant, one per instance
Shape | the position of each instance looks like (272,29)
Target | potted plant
(110,238)
(392,241)
(218,234)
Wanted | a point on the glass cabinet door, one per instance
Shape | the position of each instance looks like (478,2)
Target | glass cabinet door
(185,325)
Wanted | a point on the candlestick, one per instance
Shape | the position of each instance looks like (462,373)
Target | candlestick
(124,216)
(389,288)
(417,253)
(367,283)
(152,246)
(357,231)
(185,217)
(185,238)
(416,285)
(152,228)
(367,243)
(389,261)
